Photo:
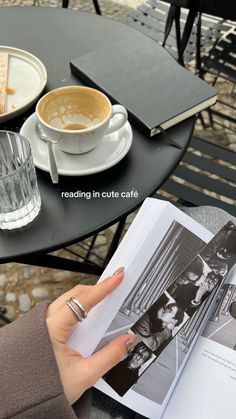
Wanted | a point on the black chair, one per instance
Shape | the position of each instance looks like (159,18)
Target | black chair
(221,63)
(175,28)
(221,60)
(207,174)
(188,33)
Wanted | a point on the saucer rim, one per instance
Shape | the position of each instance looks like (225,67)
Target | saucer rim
(38,66)
(85,172)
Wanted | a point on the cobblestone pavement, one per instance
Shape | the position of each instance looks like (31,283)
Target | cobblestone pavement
(23,286)
(108,8)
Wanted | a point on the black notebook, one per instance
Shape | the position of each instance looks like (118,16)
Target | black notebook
(147,80)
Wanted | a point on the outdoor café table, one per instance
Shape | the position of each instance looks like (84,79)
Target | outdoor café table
(56,36)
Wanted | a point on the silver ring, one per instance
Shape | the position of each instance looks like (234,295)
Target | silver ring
(77,315)
(78,303)
(81,314)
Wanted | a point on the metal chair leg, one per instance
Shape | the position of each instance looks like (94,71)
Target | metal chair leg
(65,4)
(97,7)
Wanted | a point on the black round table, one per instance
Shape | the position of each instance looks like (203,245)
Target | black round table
(57,36)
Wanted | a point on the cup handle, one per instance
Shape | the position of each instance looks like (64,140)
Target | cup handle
(115,125)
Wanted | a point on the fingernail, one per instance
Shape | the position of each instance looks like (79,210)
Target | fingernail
(131,343)
(118,271)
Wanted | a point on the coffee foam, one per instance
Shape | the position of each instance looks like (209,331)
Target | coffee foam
(74,106)
(60,120)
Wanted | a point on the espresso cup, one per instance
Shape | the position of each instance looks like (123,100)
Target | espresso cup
(77,118)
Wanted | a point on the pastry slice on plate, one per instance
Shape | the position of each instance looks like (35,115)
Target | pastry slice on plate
(3,82)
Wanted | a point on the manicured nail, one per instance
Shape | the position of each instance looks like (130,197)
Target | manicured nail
(131,343)
(118,271)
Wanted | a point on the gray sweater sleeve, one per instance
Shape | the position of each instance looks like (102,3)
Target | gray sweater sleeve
(31,387)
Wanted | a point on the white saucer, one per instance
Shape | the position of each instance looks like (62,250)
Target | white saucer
(112,149)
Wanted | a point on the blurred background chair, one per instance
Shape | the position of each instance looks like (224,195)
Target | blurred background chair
(164,22)
(201,37)
(221,63)
(206,176)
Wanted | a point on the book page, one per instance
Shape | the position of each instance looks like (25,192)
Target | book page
(179,311)
(159,245)
(206,388)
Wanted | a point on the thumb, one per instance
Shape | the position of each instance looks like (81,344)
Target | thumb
(109,356)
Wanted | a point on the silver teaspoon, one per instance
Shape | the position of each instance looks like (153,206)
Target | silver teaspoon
(51,158)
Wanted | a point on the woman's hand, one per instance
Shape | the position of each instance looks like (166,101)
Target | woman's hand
(78,373)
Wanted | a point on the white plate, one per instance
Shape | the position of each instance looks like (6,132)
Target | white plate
(28,76)
(112,149)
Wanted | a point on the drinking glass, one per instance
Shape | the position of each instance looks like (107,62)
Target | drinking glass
(20,200)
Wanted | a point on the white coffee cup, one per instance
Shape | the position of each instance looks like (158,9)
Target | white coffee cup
(77,118)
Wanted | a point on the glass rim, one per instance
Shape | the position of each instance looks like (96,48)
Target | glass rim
(29,154)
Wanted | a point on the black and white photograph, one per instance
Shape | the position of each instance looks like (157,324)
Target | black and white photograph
(178,247)
(206,286)
(214,262)
(192,285)
(220,255)
(157,327)
(221,327)
(124,375)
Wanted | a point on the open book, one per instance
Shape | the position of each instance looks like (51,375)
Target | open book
(174,273)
